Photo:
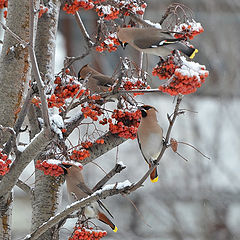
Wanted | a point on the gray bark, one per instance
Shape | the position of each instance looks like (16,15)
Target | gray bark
(14,64)
(46,197)
(14,75)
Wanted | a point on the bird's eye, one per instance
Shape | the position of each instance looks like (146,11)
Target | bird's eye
(144,113)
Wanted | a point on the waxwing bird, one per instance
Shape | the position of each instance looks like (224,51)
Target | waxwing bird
(154,41)
(77,190)
(149,137)
(96,82)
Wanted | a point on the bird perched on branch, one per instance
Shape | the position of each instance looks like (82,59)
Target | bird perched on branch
(149,137)
(96,81)
(154,41)
(77,190)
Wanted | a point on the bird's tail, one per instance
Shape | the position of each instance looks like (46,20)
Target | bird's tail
(189,51)
(154,175)
(102,217)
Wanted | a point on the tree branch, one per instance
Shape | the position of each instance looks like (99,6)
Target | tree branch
(117,169)
(83,30)
(19,122)
(75,207)
(40,84)
(24,187)
(37,145)
(110,141)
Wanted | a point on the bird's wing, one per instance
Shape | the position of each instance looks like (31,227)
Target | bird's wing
(104,80)
(84,188)
(154,42)
(142,150)
(88,191)
(102,206)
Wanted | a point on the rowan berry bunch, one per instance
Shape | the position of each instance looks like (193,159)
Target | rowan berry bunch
(188,30)
(4,4)
(77,4)
(110,43)
(66,87)
(165,69)
(187,77)
(108,12)
(136,7)
(79,155)
(49,168)
(135,84)
(42,10)
(126,123)
(92,111)
(83,233)
(4,163)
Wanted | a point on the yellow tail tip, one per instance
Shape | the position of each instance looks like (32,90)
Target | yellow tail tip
(154,180)
(193,54)
(115,229)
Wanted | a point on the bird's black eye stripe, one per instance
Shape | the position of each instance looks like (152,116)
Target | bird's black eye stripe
(144,114)
(146,107)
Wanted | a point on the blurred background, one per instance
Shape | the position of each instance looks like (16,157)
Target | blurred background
(198,199)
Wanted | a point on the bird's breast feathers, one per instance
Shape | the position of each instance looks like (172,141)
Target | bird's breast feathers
(151,146)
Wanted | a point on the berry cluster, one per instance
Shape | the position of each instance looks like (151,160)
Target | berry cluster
(188,30)
(79,155)
(42,10)
(107,12)
(4,163)
(91,111)
(49,169)
(64,89)
(138,84)
(82,233)
(132,6)
(110,43)
(126,123)
(4,4)
(187,77)
(165,69)
(77,4)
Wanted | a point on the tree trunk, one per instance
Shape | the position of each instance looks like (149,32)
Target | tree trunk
(14,74)
(46,191)
(14,64)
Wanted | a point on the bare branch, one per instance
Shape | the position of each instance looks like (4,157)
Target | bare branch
(14,34)
(188,144)
(117,169)
(27,189)
(19,122)
(12,139)
(83,30)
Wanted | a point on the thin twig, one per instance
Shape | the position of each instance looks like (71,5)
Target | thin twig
(83,30)
(195,149)
(182,156)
